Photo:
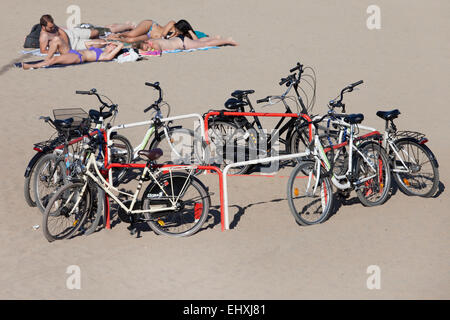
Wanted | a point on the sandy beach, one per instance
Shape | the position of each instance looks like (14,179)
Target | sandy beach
(265,255)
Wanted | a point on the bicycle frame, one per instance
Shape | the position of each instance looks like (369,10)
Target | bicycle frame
(319,153)
(111,191)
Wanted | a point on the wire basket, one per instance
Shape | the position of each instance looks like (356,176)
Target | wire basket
(81,120)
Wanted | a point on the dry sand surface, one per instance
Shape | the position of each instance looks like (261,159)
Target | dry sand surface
(266,255)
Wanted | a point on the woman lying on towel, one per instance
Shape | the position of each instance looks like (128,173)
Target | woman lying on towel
(149,29)
(93,54)
(181,42)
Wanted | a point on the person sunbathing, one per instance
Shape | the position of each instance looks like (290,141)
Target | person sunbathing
(150,29)
(93,54)
(181,42)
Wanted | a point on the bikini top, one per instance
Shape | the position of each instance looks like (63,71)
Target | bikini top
(98,52)
(150,30)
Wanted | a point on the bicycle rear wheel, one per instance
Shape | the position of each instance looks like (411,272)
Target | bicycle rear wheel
(229,145)
(190,197)
(67,211)
(373,174)
(309,204)
(422,178)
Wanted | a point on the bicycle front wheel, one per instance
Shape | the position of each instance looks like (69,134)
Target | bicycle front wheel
(66,211)
(373,175)
(187,198)
(310,195)
(422,176)
(121,152)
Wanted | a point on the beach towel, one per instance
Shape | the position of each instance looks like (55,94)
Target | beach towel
(36,52)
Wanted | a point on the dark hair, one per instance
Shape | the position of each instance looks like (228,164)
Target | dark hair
(46,18)
(184,27)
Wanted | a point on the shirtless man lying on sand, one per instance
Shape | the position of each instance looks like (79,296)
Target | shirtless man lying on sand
(73,38)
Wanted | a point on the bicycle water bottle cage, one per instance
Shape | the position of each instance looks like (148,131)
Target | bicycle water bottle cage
(240,94)
(234,104)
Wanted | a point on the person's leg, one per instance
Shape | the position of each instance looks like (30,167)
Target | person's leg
(57,45)
(141,29)
(117,27)
(68,58)
(210,42)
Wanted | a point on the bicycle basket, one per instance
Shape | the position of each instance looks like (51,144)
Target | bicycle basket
(81,121)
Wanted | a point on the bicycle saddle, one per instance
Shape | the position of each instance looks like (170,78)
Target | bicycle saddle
(239,94)
(152,155)
(234,104)
(354,118)
(64,124)
(95,115)
(388,115)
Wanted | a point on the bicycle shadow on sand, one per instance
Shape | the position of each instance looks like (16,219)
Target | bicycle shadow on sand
(340,201)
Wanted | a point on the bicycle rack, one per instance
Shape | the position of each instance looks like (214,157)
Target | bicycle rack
(222,174)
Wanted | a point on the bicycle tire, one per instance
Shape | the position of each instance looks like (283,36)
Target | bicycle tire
(40,178)
(407,181)
(302,208)
(68,195)
(121,152)
(162,221)
(217,128)
(373,186)
(98,215)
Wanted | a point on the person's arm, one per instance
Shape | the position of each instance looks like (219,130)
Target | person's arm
(63,35)
(169,27)
(193,35)
(43,42)
(112,54)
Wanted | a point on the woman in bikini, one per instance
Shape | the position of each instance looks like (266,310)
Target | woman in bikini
(93,54)
(181,42)
(150,29)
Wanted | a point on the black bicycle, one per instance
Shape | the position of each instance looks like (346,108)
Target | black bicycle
(242,138)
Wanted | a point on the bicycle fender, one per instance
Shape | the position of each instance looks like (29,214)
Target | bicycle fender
(32,163)
(427,150)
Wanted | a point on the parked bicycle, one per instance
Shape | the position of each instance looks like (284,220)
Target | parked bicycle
(54,169)
(174,203)
(413,165)
(249,137)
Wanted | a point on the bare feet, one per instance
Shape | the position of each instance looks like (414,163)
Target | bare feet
(231,42)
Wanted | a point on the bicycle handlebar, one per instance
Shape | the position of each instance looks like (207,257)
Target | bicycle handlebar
(266,99)
(93,91)
(157,102)
(298,67)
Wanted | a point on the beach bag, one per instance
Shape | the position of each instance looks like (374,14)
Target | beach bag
(32,40)
(128,56)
